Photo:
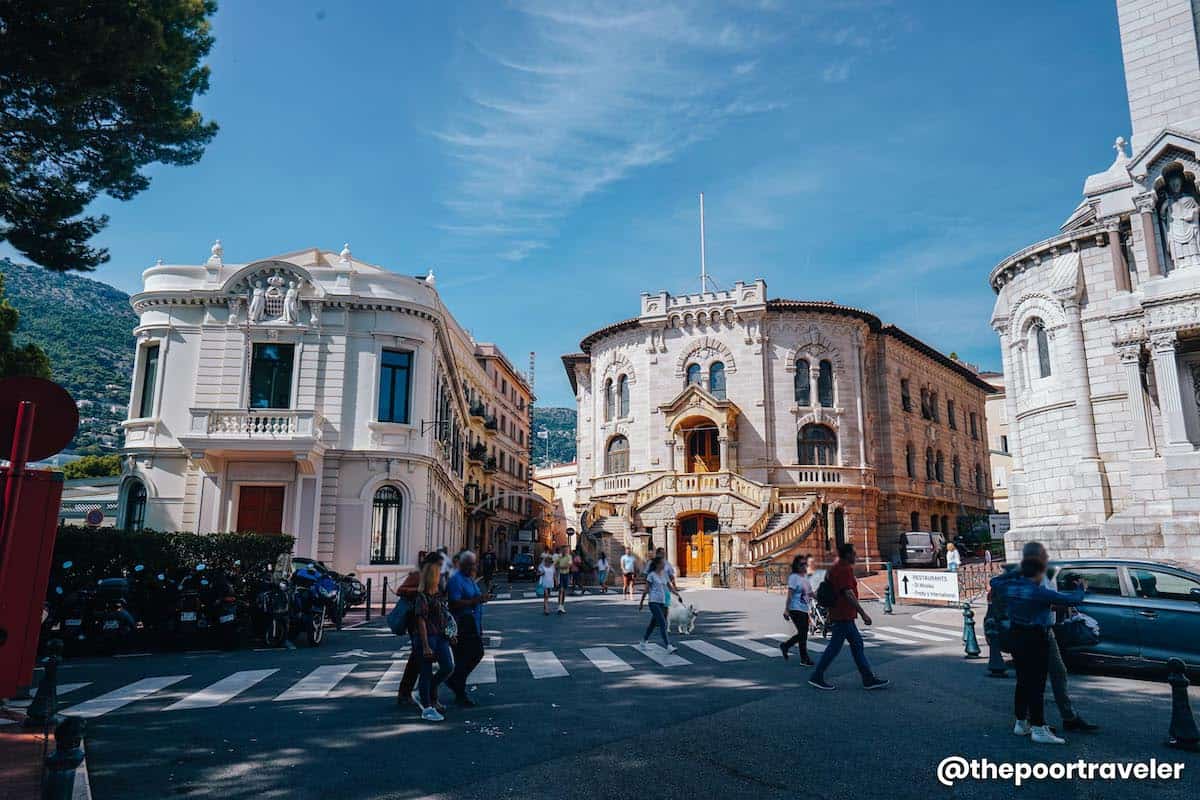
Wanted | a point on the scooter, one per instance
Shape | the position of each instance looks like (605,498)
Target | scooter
(270,607)
(114,625)
(310,598)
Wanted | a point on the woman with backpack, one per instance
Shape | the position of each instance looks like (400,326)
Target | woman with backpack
(797,605)
(435,630)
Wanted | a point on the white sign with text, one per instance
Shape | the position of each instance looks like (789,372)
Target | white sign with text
(912,584)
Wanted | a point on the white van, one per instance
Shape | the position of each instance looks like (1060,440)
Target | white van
(922,548)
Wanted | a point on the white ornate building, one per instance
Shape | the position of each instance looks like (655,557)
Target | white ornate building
(1100,327)
(732,429)
(319,396)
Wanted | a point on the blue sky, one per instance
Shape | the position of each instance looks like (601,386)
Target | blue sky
(544,157)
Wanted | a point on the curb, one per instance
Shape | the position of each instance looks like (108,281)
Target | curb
(83,784)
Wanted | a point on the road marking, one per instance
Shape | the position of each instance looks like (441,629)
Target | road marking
(62,689)
(605,660)
(916,634)
(816,643)
(947,632)
(754,647)
(711,650)
(485,672)
(390,682)
(528,595)
(317,683)
(658,654)
(888,637)
(222,691)
(544,664)
(139,690)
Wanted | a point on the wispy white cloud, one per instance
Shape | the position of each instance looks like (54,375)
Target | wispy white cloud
(837,72)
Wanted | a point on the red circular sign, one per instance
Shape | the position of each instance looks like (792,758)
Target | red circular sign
(55,418)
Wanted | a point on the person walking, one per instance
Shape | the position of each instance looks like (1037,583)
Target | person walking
(407,691)
(659,589)
(842,614)
(487,567)
(796,607)
(429,611)
(562,566)
(602,573)
(546,580)
(628,571)
(953,557)
(466,604)
(1030,608)
(577,573)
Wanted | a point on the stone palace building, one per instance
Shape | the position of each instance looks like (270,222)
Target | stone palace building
(319,396)
(736,430)
(1099,326)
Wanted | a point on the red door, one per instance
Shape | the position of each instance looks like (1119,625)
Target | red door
(260,509)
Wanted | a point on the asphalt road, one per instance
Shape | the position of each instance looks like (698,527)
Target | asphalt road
(575,710)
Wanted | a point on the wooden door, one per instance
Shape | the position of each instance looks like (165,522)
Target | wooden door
(699,554)
(704,452)
(260,509)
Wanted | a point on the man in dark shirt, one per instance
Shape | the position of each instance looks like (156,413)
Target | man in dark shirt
(841,616)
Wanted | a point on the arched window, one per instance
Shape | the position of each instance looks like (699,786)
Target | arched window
(1041,346)
(933,522)
(623,396)
(935,413)
(929,464)
(940,467)
(914,521)
(825,384)
(803,384)
(616,456)
(925,412)
(608,400)
(693,374)
(135,506)
(716,380)
(945,525)
(910,460)
(905,395)
(817,445)
(957,472)
(386,511)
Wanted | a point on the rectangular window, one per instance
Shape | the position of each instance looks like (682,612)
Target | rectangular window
(395,379)
(271,375)
(950,417)
(1100,580)
(149,376)
(1003,444)
(974,426)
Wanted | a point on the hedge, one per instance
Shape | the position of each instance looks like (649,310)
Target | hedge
(105,552)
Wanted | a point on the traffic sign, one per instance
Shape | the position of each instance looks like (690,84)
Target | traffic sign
(927,585)
(94,517)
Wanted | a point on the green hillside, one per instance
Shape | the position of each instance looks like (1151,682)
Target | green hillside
(560,424)
(86,328)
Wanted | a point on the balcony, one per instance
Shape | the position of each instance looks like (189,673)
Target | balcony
(489,425)
(269,433)
(490,466)
(477,454)
(478,410)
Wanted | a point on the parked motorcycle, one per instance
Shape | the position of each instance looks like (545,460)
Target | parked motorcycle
(332,589)
(312,592)
(114,625)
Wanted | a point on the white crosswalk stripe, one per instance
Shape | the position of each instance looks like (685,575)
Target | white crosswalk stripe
(317,683)
(389,683)
(888,636)
(747,643)
(659,655)
(605,660)
(544,664)
(138,690)
(946,632)
(486,671)
(62,689)
(222,691)
(816,643)
(909,632)
(711,650)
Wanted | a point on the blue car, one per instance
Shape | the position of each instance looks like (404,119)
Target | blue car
(1148,612)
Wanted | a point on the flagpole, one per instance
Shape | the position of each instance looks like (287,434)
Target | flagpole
(703,265)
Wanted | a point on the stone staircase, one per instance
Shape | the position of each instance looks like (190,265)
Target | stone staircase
(788,525)
(605,533)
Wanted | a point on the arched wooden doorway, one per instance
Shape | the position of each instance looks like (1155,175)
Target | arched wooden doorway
(694,543)
(701,445)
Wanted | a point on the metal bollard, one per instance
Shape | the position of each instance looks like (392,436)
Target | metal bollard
(1183,733)
(889,596)
(970,643)
(368,605)
(40,713)
(383,598)
(58,781)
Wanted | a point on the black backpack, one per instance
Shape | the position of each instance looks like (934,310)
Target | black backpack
(826,595)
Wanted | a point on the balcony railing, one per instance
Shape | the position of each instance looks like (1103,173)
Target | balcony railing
(477,454)
(702,483)
(478,410)
(490,464)
(489,424)
(255,424)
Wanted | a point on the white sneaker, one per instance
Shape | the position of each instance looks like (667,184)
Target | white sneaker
(431,715)
(1041,734)
(641,646)
(1021,728)
(672,649)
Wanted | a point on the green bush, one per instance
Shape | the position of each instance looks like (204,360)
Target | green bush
(105,552)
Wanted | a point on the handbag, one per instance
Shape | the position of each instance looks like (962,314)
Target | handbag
(1077,631)
(451,629)
(539,589)
(400,617)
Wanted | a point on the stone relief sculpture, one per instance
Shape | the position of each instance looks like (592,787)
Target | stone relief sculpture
(258,301)
(1180,215)
(291,303)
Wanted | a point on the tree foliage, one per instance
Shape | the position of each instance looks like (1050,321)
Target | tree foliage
(93,467)
(91,91)
(16,359)
(559,446)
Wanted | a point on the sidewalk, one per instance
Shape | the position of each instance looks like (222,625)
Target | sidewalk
(20,758)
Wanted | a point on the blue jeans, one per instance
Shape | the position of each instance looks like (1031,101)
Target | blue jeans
(429,681)
(658,617)
(842,632)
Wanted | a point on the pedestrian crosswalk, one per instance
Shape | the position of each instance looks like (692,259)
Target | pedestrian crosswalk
(379,674)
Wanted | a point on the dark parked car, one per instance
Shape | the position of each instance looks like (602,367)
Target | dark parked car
(1148,612)
(522,568)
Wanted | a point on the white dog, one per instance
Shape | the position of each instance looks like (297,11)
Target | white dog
(683,617)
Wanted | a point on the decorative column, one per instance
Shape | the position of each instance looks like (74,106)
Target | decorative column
(1145,206)
(1082,383)
(669,532)
(1131,366)
(1170,396)
(670,443)
(1116,254)
(814,372)
(860,392)
(723,441)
